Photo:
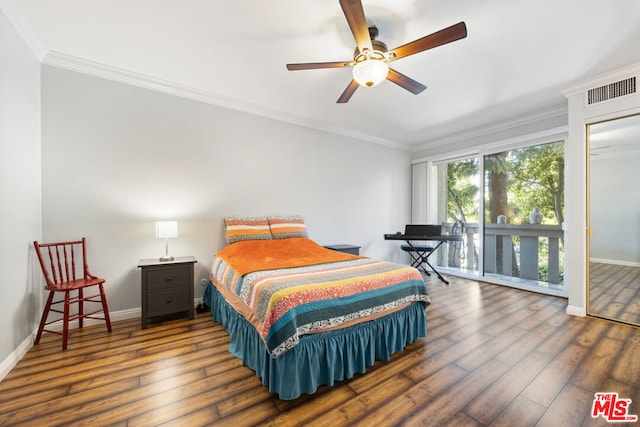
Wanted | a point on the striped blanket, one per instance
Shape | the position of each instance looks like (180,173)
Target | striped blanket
(286,303)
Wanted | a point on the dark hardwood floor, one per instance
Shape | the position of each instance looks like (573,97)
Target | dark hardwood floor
(493,356)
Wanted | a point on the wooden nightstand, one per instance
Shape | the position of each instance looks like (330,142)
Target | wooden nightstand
(167,287)
(350,249)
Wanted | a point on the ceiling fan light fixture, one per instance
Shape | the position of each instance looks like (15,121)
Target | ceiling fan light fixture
(371,56)
(370,72)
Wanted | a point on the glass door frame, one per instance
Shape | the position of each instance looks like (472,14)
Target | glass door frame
(480,153)
(589,230)
(433,208)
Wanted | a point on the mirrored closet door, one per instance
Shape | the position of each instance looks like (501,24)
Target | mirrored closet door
(614,219)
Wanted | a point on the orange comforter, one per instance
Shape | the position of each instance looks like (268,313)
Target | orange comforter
(257,255)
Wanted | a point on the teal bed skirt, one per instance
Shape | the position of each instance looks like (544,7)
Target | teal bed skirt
(322,358)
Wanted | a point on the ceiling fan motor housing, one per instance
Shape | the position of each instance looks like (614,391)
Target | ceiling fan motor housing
(379,50)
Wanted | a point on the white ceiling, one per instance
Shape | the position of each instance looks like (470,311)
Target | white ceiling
(515,62)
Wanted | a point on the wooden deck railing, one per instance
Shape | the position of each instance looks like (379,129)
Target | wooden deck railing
(509,250)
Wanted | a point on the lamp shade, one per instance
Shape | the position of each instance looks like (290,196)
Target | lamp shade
(166,229)
(370,72)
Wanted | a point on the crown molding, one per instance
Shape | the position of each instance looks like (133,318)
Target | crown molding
(603,79)
(493,129)
(17,19)
(519,141)
(85,66)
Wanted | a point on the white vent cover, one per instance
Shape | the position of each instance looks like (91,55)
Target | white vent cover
(612,90)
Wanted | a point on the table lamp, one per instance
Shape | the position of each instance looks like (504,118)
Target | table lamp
(166,230)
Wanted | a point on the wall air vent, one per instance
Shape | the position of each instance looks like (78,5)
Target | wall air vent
(612,90)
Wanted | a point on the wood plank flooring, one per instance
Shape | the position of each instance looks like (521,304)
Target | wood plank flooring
(493,356)
(615,292)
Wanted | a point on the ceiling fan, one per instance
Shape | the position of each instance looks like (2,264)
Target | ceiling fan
(371,57)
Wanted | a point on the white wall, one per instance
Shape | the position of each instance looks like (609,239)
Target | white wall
(117,157)
(20,209)
(576,175)
(615,208)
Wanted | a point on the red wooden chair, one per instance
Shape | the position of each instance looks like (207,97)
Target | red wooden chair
(58,262)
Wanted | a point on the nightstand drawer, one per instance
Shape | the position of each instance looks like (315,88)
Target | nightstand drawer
(165,278)
(167,287)
(167,301)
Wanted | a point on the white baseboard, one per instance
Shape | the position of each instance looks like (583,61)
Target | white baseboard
(576,311)
(16,355)
(615,262)
(114,316)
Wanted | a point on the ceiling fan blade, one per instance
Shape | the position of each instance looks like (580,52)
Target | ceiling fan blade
(405,82)
(315,65)
(444,36)
(346,95)
(355,18)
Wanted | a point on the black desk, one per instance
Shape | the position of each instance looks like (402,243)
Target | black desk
(424,254)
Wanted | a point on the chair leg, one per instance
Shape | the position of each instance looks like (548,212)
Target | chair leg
(420,264)
(80,308)
(65,321)
(417,261)
(425,260)
(45,314)
(105,309)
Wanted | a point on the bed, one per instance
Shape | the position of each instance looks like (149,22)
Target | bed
(301,315)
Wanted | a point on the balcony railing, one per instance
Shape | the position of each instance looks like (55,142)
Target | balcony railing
(509,250)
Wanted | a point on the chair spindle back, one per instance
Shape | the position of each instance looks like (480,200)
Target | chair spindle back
(58,261)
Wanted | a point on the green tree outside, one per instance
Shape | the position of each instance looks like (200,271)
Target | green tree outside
(516,181)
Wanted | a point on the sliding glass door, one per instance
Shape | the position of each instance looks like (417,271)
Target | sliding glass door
(509,208)
(523,215)
(458,197)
